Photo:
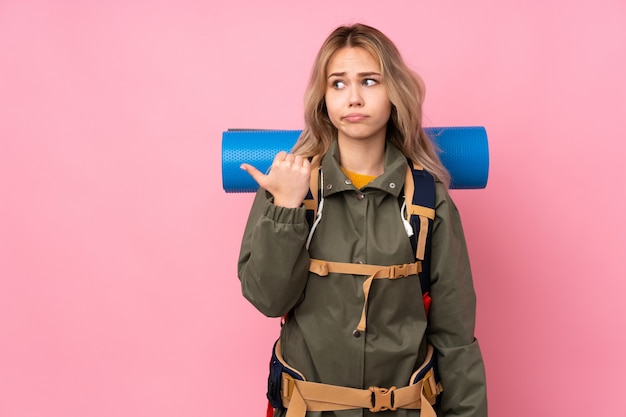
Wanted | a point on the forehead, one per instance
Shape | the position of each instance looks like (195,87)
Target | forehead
(352,59)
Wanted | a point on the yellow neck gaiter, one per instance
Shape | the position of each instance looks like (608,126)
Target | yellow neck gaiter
(358,180)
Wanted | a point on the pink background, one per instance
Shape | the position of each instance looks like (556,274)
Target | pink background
(118,246)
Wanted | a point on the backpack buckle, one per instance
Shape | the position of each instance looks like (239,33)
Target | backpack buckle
(399,271)
(429,386)
(288,384)
(382,399)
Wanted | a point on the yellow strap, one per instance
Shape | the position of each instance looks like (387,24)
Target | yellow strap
(311,205)
(303,396)
(323,268)
(420,211)
(421,238)
(409,189)
(300,396)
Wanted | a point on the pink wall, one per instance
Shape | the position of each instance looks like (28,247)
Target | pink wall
(118,247)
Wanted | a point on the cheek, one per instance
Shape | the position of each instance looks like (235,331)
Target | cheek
(384,107)
(388,106)
(388,111)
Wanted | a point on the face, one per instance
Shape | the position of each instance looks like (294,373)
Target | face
(356,98)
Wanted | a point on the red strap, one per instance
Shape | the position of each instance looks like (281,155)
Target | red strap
(427,301)
(270,410)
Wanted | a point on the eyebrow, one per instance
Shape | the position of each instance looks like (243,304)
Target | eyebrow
(360,74)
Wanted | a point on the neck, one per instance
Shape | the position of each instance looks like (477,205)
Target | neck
(362,157)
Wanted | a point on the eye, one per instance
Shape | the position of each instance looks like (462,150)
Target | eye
(368,82)
(338,84)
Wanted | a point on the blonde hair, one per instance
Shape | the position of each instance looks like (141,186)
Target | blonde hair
(404,87)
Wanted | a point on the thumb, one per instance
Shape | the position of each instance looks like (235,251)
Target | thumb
(257,175)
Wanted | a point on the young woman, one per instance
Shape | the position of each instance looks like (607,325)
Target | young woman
(353,324)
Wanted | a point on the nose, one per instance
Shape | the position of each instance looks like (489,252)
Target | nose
(355,98)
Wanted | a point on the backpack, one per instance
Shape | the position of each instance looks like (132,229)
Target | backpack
(419,209)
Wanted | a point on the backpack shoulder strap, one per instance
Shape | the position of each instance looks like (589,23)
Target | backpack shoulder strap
(311,201)
(419,194)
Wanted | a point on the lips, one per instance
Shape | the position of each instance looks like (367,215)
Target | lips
(355,117)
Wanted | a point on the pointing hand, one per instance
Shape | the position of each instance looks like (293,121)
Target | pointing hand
(288,179)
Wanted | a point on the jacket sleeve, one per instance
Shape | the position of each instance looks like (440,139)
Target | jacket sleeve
(452,315)
(273,260)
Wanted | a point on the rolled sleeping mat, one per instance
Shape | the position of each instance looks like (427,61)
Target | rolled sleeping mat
(464,152)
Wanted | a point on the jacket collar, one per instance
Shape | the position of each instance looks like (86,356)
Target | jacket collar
(391,181)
